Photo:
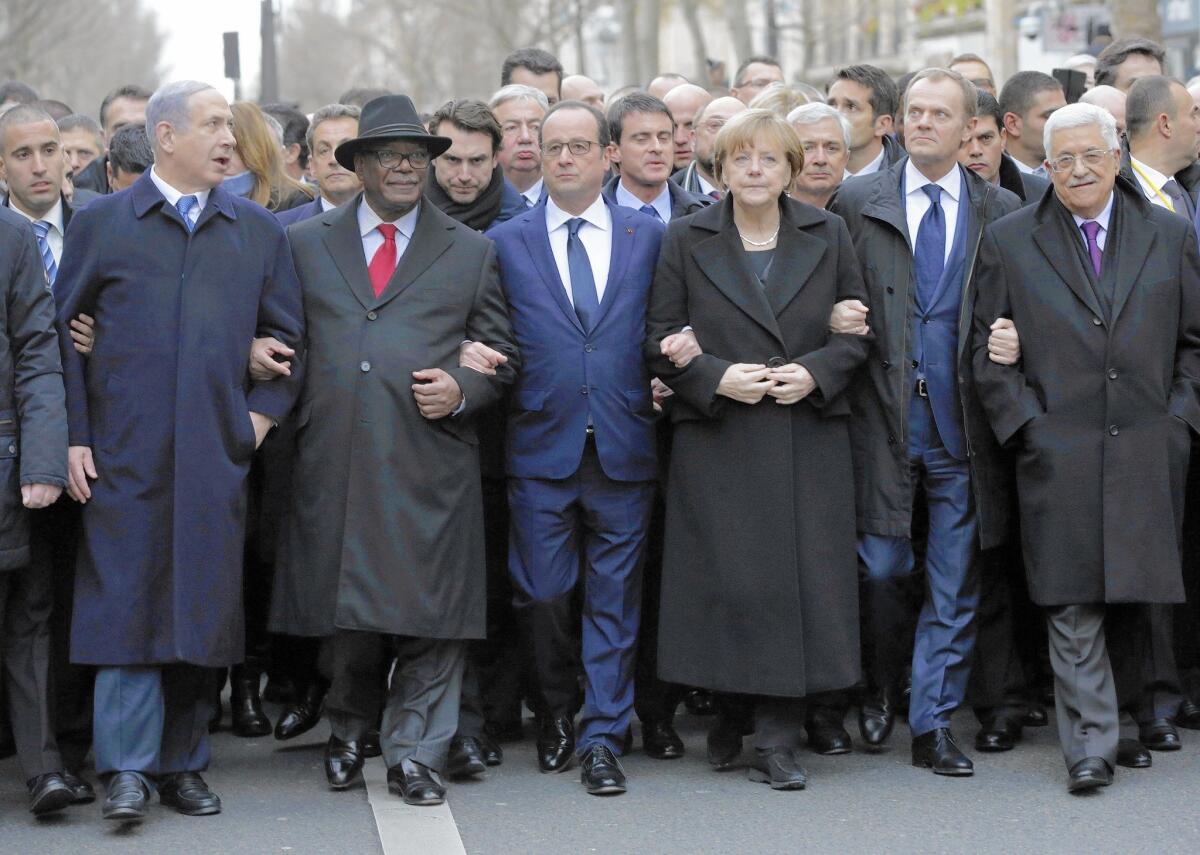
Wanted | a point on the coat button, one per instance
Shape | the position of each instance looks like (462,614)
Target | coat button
(925,320)
(887,364)
(372,315)
(916,364)
(891,290)
(1113,430)
(364,365)
(588,348)
(1112,374)
(583,390)
(1096,322)
(12,448)
(891,439)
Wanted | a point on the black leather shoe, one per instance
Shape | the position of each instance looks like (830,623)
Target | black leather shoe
(661,741)
(466,758)
(48,793)
(505,731)
(245,705)
(1188,715)
(700,702)
(1159,735)
(724,743)
(1035,716)
(80,789)
(493,754)
(303,714)
(938,751)
(1088,774)
(415,784)
(601,772)
(188,794)
(877,717)
(370,745)
(826,735)
(1133,755)
(126,798)
(555,743)
(343,762)
(998,734)
(779,768)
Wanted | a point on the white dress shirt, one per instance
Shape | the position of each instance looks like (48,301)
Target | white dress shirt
(534,194)
(1039,170)
(173,196)
(1151,181)
(596,234)
(917,202)
(661,203)
(872,167)
(705,188)
(326,205)
(368,228)
(1102,218)
(54,217)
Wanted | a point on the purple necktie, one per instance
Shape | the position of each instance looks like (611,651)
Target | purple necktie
(1090,230)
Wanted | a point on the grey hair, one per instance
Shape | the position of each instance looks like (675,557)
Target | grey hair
(325,114)
(275,127)
(811,114)
(513,91)
(169,104)
(1080,116)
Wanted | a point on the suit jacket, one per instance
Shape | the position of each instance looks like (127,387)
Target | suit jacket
(384,531)
(570,375)
(1026,186)
(1100,406)
(875,214)
(683,202)
(300,213)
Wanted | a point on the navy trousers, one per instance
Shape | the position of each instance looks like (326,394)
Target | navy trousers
(590,523)
(945,636)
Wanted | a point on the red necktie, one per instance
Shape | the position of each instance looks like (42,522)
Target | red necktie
(383,265)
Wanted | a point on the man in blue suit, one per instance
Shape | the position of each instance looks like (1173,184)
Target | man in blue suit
(331,126)
(576,270)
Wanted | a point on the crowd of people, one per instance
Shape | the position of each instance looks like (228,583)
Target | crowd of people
(770,402)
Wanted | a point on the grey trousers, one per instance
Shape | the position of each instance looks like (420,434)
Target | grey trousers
(779,723)
(25,601)
(420,711)
(1085,695)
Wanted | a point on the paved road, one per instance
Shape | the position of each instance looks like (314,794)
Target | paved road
(276,802)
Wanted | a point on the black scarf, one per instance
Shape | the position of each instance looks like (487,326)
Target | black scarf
(477,215)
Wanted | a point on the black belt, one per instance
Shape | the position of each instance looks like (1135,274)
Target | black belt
(922,389)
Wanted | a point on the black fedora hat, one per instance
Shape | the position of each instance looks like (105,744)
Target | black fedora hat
(389,117)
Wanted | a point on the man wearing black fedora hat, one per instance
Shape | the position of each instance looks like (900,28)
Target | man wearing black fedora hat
(383,548)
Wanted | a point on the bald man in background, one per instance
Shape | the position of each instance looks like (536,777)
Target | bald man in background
(697,176)
(685,103)
(1111,99)
(577,87)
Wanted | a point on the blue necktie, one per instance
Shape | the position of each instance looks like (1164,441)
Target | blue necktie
(42,229)
(583,283)
(652,211)
(929,252)
(184,206)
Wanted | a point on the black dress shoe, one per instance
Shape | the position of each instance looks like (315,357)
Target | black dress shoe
(877,717)
(826,735)
(188,794)
(1188,715)
(80,789)
(700,702)
(724,743)
(555,743)
(343,762)
(246,713)
(505,731)
(938,751)
(1088,774)
(415,784)
(1035,716)
(1159,735)
(493,754)
(660,740)
(1133,755)
(370,744)
(302,715)
(779,768)
(126,798)
(601,772)
(48,793)
(998,734)
(466,758)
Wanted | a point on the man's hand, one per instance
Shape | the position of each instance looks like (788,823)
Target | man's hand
(262,426)
(681,348)
(263,366)
(849,317)
(745,383)
(80,468)
(659,392)
(1004,345)
(83,333)
(793,383)
(437,393)
(39,495)
(479,357)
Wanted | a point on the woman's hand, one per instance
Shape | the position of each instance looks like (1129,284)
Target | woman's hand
(745,383)
(792,382)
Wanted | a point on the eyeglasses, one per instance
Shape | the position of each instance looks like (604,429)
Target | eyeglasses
(577,147)
(1091,157)
(757,83)
(389,159)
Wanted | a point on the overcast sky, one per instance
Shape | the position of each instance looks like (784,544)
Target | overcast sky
(193,48)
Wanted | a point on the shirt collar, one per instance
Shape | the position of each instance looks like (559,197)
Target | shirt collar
(596,214)
(1156,178)
(1028,170)
(534,193)
(661,203)
(172,195)
(871,167)
(951,182)
(54,216)
(1102,218)
(368,220)
(326,205)
(702,182)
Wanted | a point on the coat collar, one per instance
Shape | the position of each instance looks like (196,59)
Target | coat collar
(147,197)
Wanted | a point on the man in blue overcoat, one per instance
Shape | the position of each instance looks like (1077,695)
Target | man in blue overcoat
(180,277)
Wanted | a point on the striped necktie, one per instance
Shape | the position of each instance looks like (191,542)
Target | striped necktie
(184,206)
(42,229)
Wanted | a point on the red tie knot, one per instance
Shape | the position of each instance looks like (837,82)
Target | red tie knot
(388,230)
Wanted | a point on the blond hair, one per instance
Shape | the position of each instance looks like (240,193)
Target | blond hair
(779,98)
(746,129)
(261,150)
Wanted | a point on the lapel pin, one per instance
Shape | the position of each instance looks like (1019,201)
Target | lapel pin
(629,230)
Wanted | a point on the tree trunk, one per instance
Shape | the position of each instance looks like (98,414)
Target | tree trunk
(630,58)
(1136,18)
(691,16)
(649,14)
(739,29)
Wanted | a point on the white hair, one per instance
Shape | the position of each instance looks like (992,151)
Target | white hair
(170,104)
(812,114)
(1080,62)
(513,91)
(1081,116)
(275,127)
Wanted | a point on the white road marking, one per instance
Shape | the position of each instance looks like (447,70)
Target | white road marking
(405,829)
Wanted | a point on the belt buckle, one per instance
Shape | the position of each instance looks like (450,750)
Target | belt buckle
(922,388)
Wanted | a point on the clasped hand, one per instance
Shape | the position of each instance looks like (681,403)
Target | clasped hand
(749,384)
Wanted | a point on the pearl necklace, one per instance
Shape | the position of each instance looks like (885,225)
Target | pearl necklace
(766,242)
